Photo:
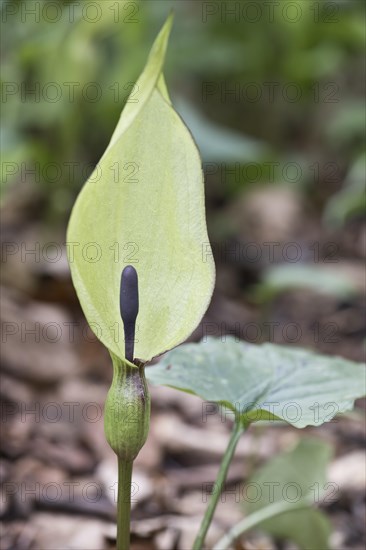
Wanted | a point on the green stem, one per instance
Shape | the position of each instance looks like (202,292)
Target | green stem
(124,504)
(255,519)
(220,480)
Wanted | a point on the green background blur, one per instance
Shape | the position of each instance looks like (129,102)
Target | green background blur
(282,82)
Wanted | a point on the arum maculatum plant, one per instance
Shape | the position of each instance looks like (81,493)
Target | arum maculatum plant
(146,287)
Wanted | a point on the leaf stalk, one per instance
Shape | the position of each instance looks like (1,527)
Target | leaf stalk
(124,504)
(237,431)
(254,519)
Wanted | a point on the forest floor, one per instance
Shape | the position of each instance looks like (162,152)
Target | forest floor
(59,475)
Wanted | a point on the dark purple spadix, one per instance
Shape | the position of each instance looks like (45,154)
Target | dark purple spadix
(129,307)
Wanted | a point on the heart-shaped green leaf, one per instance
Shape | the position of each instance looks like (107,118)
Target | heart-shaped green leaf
(294,478)
(144,205)
(263,382)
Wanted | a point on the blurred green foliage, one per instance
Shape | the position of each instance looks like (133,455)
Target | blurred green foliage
(295,477)
(295,68)
(280,278)
(350,200)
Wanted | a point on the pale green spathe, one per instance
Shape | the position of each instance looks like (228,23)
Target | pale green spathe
(144,206)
